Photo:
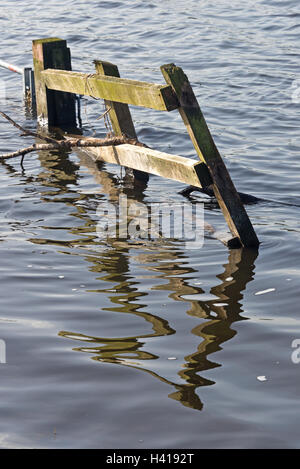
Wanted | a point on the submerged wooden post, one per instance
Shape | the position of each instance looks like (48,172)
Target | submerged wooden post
(224,189)
(119,113)
(54,108)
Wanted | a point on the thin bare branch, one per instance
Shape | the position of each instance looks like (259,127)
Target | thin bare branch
(67,143)
(26,131)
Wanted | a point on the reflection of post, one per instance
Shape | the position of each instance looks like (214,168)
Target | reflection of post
(59,169)
(238,272)
(2,351)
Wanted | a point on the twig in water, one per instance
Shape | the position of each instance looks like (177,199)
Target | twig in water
(68,145)
(27,132)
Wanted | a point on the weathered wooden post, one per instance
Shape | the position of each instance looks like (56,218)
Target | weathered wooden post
(119,113)
(224,189)
(54,108)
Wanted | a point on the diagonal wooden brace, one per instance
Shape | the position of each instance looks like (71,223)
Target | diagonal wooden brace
(224,189)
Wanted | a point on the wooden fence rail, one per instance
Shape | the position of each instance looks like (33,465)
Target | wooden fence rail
(121,90)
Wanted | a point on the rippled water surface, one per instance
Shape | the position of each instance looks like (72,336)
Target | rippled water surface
(138,345)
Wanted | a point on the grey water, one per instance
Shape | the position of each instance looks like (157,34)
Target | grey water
(114,344)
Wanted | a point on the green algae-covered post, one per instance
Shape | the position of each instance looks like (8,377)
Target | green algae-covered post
(224,189)
(54,108)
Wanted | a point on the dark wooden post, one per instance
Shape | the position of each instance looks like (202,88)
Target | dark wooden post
(54,108)
(119,113)
(224,189)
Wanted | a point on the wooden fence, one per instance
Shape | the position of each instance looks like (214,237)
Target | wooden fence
(56,86)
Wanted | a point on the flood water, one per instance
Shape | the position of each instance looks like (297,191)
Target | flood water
(129,344)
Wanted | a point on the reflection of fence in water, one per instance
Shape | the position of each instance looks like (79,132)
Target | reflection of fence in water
(214,331)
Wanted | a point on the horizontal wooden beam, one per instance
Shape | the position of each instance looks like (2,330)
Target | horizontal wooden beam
(174,167)
(121,90)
